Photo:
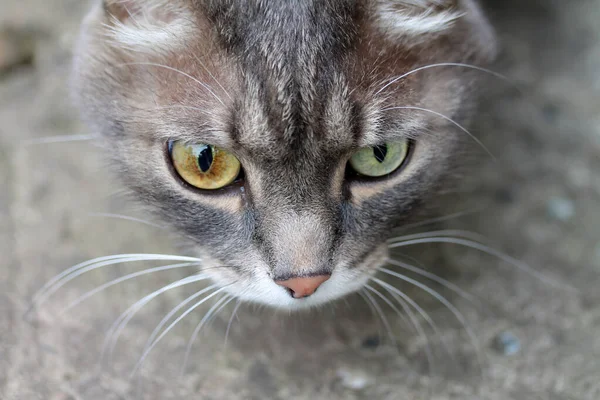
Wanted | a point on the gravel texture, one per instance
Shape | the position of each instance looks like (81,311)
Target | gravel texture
(540,203)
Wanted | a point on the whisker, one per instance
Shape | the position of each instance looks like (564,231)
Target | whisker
(490,251)
(134,219)
(58,139)
(475,237)
(218,306)
(212,76)
(233,315)
(381,314)
(404,302)
(214,316)
(448,64)
(457,314)
(453,122)
(444,282)
(373,312)
(69,274)
(405,319)
(402,297)
(114,332)
(127,218)
(168,317)
(174,106)
(442,218)
(199,82)
(174,311)
(168,328)
(124,278)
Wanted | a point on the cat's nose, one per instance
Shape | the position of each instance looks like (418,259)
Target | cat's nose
(303,286)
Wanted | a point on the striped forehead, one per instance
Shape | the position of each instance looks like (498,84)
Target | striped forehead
(291,58)
(296,115)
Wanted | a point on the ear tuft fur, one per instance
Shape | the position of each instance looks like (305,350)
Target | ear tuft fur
(148,26)
(409,18)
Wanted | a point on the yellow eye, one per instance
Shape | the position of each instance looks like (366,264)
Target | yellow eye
(203,165)
(380,160)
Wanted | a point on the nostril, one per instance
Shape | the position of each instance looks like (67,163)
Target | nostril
(300,287)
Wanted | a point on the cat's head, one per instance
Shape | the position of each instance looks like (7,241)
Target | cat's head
(286,139)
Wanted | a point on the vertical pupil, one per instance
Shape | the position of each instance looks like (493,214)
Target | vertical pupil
(380,152)
(205,158)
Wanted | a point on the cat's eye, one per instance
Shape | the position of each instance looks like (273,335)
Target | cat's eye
(380,160)
(204,166)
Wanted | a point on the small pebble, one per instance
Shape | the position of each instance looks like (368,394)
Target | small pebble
(371,342)
(353,379)
(507,344)
(550,112)
(504,196)
(560,208)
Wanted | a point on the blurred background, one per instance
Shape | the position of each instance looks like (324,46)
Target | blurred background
(540,203)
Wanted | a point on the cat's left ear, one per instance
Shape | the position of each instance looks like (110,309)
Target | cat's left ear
(414,22)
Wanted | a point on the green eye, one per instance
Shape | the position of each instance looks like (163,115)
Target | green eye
(204,166)
(380,160)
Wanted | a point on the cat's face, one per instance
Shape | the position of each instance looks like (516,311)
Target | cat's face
(333,152)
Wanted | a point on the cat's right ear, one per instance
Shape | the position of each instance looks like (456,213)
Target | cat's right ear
(147,26)
(119,10)
(124,10)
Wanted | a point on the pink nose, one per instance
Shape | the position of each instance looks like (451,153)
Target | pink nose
(303,286)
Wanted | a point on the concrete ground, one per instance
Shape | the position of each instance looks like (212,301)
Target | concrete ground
(540,203)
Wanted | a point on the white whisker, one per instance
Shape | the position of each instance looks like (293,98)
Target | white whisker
(127,218)
(404,302)
(142,221)
(214,310)
(488,250)
(174,311)
(476,237)
(58,139)
(438,65)
(233,315)
(453,122)
(381,314)
(124,278)
(175,106)
(114,332)
(69,274)
(168,328)
(458,315)
(442,218)
(199,82)
(444,282)
(373,312)
(212,76)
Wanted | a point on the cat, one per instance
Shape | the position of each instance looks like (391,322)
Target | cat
(285,140)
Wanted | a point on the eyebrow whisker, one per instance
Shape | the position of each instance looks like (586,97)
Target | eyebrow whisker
(447,64)
(459,126)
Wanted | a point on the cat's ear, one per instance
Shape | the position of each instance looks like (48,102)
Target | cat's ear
(129,10)
(153,26)
(418,21)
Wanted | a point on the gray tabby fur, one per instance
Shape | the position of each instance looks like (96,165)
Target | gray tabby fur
(292,88)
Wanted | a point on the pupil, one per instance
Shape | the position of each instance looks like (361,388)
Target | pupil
(380,152)
(205,158)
